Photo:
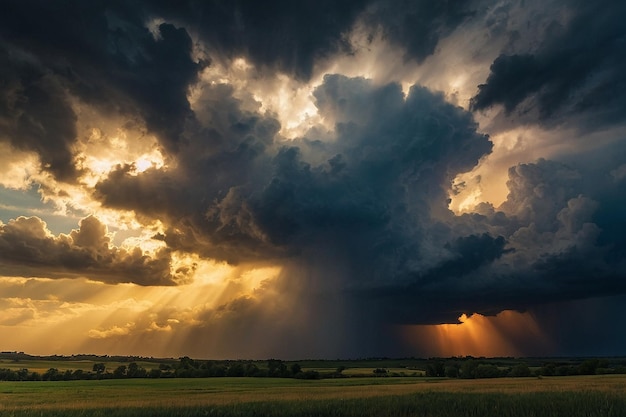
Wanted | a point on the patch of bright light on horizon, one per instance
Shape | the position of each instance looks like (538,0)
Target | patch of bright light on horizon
(477,335)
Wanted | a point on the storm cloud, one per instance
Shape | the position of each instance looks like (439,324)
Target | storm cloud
(573,74)
(170,118)
(267,200)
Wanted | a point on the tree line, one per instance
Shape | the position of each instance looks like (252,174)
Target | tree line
(472,368)
(185,368)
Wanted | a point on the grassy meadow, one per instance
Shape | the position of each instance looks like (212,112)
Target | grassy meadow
(595,395)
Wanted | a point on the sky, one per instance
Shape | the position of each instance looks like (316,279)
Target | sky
(313,179)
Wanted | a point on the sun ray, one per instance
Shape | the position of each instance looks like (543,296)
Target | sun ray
(478,335)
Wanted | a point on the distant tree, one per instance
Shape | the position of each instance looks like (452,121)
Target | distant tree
(435,368)
(468,369)
(520,370)
(217,370)
(34,376)
(604,371)
(22,374)
(548,369)
(588,367)
(135,371)
(276,368)
(452,371)
(235,369)
(380,372)
(565,370)
(486,371)
(99,369)
(187,363)
(120,371)
(620,369)
(251,370)
(295,369)
(52,374)
(154,373)
(7,375)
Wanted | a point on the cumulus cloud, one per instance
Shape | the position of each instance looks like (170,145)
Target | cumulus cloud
(29,249)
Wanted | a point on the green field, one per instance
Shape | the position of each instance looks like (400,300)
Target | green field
(597,395)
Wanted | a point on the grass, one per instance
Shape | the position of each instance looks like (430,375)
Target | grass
(560,396)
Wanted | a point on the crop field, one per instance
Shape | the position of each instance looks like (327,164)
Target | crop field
(597,395)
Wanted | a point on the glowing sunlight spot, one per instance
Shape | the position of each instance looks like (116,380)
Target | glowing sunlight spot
(477,335)
(142,164)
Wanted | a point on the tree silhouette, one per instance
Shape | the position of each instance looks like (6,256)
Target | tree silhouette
(99,369)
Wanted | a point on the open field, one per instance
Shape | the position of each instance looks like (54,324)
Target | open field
(42,366)
(598,395)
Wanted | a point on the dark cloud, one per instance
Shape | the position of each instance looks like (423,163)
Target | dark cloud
(35,114)
(280,34)
(576,70)
(205,199)
(561,248)
(236,187)
(105,54)
(29,249)
(417,25)
(102,54)
(369,204)
(547,243)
